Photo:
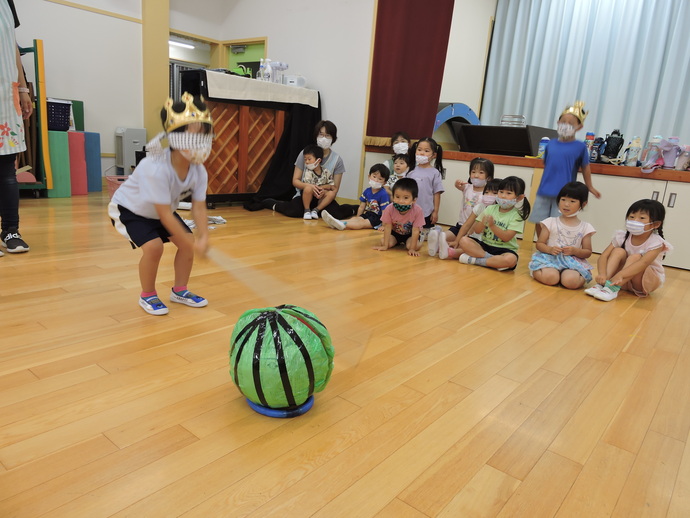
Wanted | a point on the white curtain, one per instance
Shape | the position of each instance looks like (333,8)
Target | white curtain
(628,60)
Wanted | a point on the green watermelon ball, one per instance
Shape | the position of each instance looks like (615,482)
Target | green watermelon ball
(280,356)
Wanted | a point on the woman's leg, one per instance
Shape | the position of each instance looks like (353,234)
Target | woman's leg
(571,279)
(152,251)
(548,276)
(9,193)
(292,208)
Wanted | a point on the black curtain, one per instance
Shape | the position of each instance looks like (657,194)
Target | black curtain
(298,132)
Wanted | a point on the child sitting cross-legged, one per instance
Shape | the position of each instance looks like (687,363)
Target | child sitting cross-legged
(403,219)
(372,202)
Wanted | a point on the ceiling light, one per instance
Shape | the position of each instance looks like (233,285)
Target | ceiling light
(178,44)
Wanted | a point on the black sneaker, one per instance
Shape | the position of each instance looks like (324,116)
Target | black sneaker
(12,240)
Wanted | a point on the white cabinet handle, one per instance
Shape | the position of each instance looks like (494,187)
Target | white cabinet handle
(655,195)
(671,200)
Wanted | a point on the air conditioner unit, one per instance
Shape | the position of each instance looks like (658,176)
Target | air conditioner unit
(127,142)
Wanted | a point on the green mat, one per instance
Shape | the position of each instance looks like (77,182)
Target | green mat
(59,163)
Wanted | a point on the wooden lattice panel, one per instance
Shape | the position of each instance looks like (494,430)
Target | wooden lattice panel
(246,139)
(222,164)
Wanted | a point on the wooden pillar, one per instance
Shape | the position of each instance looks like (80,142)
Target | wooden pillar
(155,15)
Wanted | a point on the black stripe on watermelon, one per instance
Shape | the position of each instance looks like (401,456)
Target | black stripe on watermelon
(302,349)
(256,361)
(280,358)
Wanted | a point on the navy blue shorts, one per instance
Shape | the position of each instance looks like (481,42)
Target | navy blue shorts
(373,218)
(137,229)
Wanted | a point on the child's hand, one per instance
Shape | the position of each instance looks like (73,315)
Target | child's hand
(568,250)
(201,246)
(380,248)
(617,280)
(555,250)
(413,252)
(601,278)
(460,185)
(488,221)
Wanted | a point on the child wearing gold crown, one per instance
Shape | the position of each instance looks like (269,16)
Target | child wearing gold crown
(143,208)
(563,158)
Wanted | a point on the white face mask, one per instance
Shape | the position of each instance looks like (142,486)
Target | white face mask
(421,159)
(478,182)
(506,204)
(488,199)
(374,184)
(566,130)
(400,148)
(636,228)
(570,215)
(196,156)
(324,142)
(313,165)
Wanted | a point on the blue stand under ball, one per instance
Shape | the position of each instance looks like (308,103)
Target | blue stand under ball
(283,412)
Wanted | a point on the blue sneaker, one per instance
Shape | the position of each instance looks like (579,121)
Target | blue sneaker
(188,298)
(153,305)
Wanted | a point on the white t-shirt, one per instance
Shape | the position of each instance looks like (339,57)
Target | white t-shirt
(561,235)
(155,182)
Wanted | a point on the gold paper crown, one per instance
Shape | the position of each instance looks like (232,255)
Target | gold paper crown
(190,115)
(578,110)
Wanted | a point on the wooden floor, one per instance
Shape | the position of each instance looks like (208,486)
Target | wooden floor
(457,391)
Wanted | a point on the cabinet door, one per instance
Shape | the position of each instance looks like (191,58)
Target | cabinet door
(676,201)
(607,214)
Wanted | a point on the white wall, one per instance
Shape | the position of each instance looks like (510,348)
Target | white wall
(90,57)
(468,45)
(329,44)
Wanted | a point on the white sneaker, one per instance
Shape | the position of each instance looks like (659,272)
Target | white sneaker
(314,214)
(593,290)
(607,294)
(466,259)
(443,246)
(432,242)
(331,221)
(153,305)
(188,299)
(307,214)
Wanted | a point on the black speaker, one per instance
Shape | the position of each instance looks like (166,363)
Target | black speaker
(500,140)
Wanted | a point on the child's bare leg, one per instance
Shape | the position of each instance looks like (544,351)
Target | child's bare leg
(184,258)
(357,223)
(572,280)
(152,251)
(471,247)
(616,262)
(326,200)
(637,280)
(548,276)
(307,196)
(502,261)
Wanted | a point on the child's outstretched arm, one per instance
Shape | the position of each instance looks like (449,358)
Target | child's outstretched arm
(464,230)
(587,177)
(414,245)
(200,217)
(385,238)
(360,209)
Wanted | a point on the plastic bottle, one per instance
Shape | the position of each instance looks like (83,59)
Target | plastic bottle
(589,140)
(632,154)
(268,71)
(654,142)
(542,146)
(260,73)
(683,160)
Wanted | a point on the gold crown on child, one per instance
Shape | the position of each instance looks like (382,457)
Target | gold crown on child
(190,115)
(578,110)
